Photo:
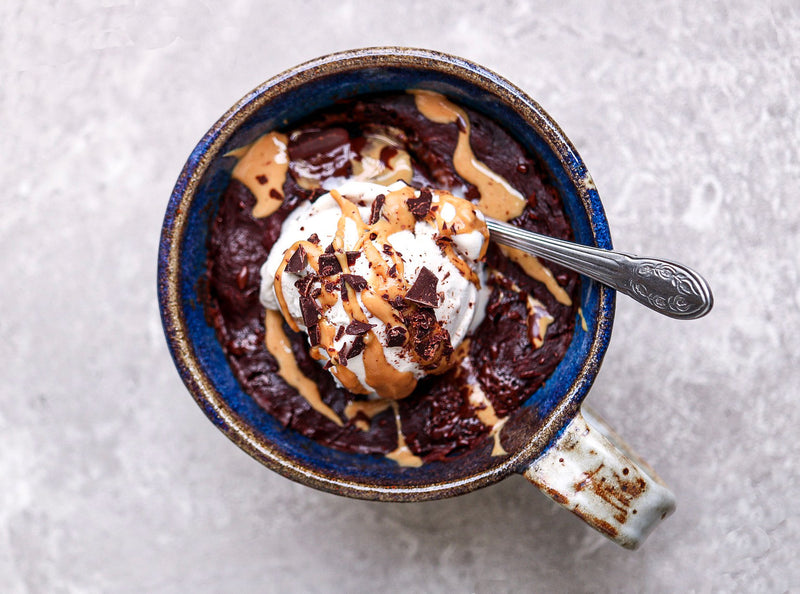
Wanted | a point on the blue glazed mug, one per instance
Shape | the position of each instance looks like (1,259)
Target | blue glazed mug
(574,459)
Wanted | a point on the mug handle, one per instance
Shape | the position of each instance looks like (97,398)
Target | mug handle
(592,472)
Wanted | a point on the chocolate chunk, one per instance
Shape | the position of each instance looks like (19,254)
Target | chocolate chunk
(423,291)
(387,249)
(357,347)
(352,257)
(393,271)
(313,144)
(434,345)
(359,283)
(357,328)
(275,194)
(261,179)
(339,333)
(329,264)
(421,206)
(304,283)
(330,249)
(343,290)
(298,261)
(375,213)
(308,307)
(396,336)
(314,238)
(313,334)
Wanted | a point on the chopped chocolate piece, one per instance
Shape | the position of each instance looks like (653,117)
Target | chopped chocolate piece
(315,292)
(311,144)
(343,290)
(423,291)
(313,334)
(387,154)
(339,333)
(298,261)
(314,238)
(357,347)
(275,194)
(352,257)
(420,207)
(396,336)
(308,307)
(359,283)
(304,283)
(329,249)
(329,265)
(331,286)
(328,365)
(375,213)
(387,249)
(434,345)
(357,328)
(393,271)
(373,236)
(261,179)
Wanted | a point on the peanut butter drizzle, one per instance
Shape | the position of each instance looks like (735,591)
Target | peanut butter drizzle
(368,408)
(498,199)
(583,320)
(262,168)
(478,400)
(370,166)
(402,454)
(279,347)
(536,270)
(539,320)
(382,286)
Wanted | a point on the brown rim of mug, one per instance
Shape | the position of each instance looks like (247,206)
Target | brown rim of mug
(202,388)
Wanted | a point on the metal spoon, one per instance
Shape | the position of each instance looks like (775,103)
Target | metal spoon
(666,287)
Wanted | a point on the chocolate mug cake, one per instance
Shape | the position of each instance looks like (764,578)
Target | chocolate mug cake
(353,286)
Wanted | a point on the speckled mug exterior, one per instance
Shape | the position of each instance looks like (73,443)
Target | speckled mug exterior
(199,357)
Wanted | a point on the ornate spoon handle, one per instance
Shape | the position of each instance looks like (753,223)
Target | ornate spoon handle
(668,288)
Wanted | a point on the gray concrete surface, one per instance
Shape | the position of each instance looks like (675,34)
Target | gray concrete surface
(112,480)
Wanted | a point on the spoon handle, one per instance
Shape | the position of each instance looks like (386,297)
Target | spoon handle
(666,287)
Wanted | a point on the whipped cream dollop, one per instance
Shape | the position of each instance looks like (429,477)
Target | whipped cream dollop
(385,280)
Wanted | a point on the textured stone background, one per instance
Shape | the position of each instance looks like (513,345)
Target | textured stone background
(111,478)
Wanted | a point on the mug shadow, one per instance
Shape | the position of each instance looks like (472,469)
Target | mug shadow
(502,537)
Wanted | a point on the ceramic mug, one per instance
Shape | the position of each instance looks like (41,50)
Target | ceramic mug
(573,459)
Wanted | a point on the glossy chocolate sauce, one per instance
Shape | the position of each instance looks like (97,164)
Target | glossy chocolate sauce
(507,358)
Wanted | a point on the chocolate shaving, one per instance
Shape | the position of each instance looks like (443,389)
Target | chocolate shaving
(421,206)
(330,249)
(308,307)
(313,334)
(339,333)
(273,193)
(352,257)
(375,213)
(393,271)
(357,328)
(298,261)
(420,321)
(387,249)
(314,238)
(343,290)
(396,336)
(359,283)
(423,291)
(261,179)
(357,347)
(329,264)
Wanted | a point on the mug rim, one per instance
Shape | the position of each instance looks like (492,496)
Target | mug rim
(181,345)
